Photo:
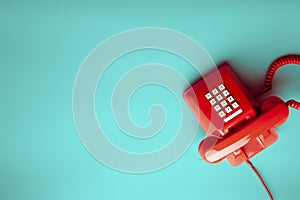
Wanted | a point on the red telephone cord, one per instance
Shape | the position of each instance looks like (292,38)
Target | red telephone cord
(275,65)
(260,178)
(280,62)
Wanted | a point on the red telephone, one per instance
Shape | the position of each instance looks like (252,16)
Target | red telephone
(237,126)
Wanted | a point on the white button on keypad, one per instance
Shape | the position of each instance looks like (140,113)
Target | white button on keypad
(221,87)
(217,108)
(235,105)
(226,93)
(219,97)
(224,103)
(222,114)
(230,99)
(228,109)
(215,91)
(208,96)
(213,102)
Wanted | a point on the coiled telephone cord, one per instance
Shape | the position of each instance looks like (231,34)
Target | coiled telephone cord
(275,65)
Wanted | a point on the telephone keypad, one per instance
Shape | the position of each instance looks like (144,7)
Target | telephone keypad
(223,102)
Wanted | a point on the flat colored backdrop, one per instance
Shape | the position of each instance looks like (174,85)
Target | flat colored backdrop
(42,46)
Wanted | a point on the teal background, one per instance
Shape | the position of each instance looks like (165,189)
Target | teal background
(42,46)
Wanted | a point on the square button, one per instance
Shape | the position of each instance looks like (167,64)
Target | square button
(221,87)
(235,105)
(212,102)
(228,109)
(208,96)
(230,99)
(215,91)
(224,103)
(219,97)
(217,108)
(222,114)
(226,93)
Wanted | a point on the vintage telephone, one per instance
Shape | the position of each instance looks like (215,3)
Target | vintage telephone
(237,126)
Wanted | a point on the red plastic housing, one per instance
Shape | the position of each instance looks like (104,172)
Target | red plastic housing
(236,128)
(220,101)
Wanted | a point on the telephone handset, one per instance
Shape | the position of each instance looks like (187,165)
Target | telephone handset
(248,140)
(237,125)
